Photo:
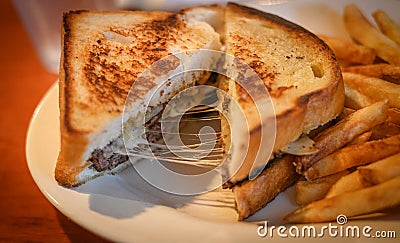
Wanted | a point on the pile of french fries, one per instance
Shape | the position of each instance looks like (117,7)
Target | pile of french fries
(356,170)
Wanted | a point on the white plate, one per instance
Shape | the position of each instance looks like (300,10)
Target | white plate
(125,208)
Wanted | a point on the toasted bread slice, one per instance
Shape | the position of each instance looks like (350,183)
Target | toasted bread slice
(251,196)
(103,54)
(298,69)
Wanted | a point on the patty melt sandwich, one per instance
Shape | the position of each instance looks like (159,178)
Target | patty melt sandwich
(104,53)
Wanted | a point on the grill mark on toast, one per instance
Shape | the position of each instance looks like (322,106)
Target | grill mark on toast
(111,82)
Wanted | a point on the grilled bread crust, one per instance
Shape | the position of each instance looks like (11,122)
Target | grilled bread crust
(251,196)
(298,69)
(103,53)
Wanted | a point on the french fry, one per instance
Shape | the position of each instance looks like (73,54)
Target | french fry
(380,171)
(344,64)
(347,183)
(346,112)
(360,139)
(385,130)
(354,99)
(363,32)
(354,155)
(343,132)
(387,26)
(373,88)
(365,137)
(313,133)
(309,191)
(349,51)
(394,116)
(366,200)
(383,71)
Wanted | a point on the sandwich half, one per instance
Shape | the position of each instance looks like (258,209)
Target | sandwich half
(103,54)
(305,86)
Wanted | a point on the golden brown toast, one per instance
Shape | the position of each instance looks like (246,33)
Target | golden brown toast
(298,69)
(251,196)
(103,53)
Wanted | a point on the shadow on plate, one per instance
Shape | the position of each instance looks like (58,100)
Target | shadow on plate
(127,195)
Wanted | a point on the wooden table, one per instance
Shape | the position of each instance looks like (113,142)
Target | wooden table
(25,214)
